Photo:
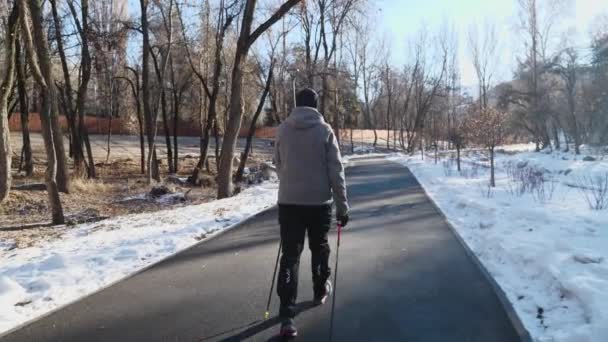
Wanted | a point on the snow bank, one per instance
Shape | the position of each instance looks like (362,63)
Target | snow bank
(549,257)
(38,279)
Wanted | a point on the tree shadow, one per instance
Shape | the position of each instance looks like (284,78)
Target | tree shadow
(254,329)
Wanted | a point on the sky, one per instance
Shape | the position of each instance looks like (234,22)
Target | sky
(399,20)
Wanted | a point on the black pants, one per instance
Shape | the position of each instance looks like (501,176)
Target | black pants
(295,220)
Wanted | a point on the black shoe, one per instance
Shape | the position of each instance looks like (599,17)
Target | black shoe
(288,329)
(321,297)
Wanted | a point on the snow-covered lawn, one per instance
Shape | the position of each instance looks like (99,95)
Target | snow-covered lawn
(548,251)
(38,279)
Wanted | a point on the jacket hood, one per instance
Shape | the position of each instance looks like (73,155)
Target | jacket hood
(304,117)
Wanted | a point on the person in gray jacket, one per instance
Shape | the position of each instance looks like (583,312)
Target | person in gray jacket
(311,176)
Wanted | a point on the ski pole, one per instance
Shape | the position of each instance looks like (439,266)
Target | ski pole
(333,300)
(274,275)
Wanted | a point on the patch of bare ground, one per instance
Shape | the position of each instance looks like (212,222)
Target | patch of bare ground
(120,189)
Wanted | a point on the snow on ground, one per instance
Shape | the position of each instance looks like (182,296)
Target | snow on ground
(547,252)
(38,279)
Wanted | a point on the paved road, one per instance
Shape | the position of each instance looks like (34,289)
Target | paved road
(403,277)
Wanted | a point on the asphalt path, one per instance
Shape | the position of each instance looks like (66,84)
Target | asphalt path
(403,276)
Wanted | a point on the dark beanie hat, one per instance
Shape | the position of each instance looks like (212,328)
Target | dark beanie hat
(307,98)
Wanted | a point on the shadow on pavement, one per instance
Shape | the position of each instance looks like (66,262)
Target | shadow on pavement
(254,329)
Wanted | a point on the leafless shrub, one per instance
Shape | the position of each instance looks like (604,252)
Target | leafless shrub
(524,179)
(595,190)
(448,166)
(472,172)
(486,189)
(475,170)
(543,192)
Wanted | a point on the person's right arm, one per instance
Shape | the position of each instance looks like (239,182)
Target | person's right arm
(337,178)
(276,160)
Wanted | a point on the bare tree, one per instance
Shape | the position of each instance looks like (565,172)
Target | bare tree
(368,74)
(149,116)
(537,20)
(457,136)
(566,66)
(75,111)
(455,122)
(40,64)
(312,39)
(160,79)
(179,84)
(353,47)
(108,39)
(246,38)
(252,127)
(426,86)
(332,17)
(134,85)
(483,51)
(227,13)
(387,78)
(26,163)
(6,153)
(487,127)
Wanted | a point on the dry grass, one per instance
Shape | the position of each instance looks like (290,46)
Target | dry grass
(80,185)
(117,179)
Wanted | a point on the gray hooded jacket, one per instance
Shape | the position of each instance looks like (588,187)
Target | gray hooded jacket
(308,161)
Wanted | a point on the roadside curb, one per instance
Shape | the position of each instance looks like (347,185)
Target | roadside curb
(519,327)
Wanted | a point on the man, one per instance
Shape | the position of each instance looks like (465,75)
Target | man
(310,171)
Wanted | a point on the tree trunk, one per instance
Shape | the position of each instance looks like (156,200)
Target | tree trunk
(211,112)
(388,108)
(352,143)
(175,124)
(216,137)
(87,144)
(177,95)
(28,163)
(204,148)
(492,178)
(244,42)
(63,177)
(109,134)
(76,151)
(142,143)
(239,173)
(163,100)
(224,179)
(150,122)
(140,120)
(160,76)
(577,142)
(83,88)
(556,139)
(458,156)
(7,85)
(375,137)
(44,78)
(576,135)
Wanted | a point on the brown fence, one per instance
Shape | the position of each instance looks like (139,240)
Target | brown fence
(97,125)
(100,126)
(94,125)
